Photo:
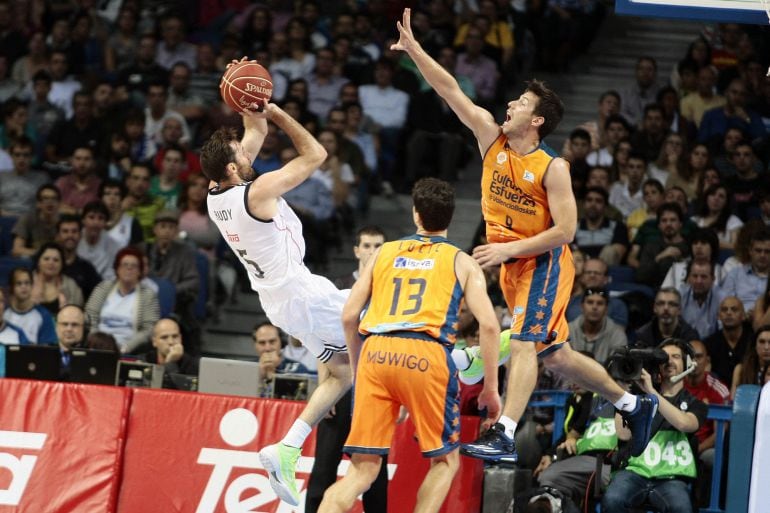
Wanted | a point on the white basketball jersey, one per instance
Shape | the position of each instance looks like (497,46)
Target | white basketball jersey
(272,251)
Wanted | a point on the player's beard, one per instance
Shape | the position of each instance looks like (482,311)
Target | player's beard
(246,173)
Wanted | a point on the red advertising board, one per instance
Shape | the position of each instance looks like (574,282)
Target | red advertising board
(60,446)
(190,452)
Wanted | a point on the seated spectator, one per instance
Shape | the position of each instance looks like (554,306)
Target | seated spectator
(598,236)
(723,154)
(743,240)
(661,482)
(194,220)
(138,73)
(701,297)
(745,186)
(10,334)
(121,226)
(34,320)
(576,150)
(666,321)
(35,228)
(749,281)
(81,131)
(579,261)
(19,185)
(43,115)
(170,136)
(165,186)
(628,196)
(63,86)
(657,255)
(269,347)
(615,129)
(644,91)
(50,287)
(173,48)
(81,186)
(168,351)
(365,142)
(688,174)
(733,114)
(181,98)
(652,196)
(157,111)
(619,160)
(706,387)
(649,140)
(138,202)
(728,345)
(593,331)
(599,177)
(694,105)
(123,307)
(751,370)
(764,207)
(671,161)
(268,159)
(70,329)
(704,248)
(715,213)
(595,275)
(142,147)
(96,246)
(102,342)
(323,85)
(483,71)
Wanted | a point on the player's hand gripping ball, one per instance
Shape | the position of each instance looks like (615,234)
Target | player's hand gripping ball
(246,85)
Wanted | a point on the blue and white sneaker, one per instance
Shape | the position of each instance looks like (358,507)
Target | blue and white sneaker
(639,422)
(494,445)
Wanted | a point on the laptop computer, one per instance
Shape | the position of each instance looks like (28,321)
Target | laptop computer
(93,366)
(33,362)
(229,377)
(176,381)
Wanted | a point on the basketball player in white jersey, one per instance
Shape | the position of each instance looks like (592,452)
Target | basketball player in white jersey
(266,235)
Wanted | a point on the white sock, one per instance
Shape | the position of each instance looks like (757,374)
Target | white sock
(509,424)
(626,403)
(297,434)
(461,359)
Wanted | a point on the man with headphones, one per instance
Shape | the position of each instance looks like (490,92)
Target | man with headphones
(660,476)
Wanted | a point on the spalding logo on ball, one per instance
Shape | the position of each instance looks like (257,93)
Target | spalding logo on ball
(245,84)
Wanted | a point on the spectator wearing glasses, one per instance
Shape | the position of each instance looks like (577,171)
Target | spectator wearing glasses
(593,331)
(666,321)
(749,281)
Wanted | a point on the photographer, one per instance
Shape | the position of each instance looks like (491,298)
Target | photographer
(660,476)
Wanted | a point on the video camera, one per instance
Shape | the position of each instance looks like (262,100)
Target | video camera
(626,364)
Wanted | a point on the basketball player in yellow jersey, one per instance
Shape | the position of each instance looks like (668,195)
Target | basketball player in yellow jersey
(530,216)
(413,288)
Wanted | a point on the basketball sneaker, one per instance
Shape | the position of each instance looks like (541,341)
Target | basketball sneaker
(280,461)
(639,422)
(494,445)
(475,371)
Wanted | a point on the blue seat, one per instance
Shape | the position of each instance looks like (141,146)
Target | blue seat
(202,262)
(8,264)
(6,236)
(166,296)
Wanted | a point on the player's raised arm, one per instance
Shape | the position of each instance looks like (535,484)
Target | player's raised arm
(311,155)
(254,132)
(351,312)
(478,120)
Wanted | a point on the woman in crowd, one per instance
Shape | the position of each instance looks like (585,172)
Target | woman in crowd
(121,226)
(704,247)
(751,371)
(258,30)
(709,177)
(671,160)
(124,307)
(122,44)
(50,288)
(688,177)
(194,220)
(714,212)
(36,60)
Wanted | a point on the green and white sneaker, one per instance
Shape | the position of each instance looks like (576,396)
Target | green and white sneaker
(475,371)
(280,461)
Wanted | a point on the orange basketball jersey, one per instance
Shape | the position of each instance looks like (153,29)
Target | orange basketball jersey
(415,289)
(513,199)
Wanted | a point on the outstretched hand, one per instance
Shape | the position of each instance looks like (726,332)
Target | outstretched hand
(406,40)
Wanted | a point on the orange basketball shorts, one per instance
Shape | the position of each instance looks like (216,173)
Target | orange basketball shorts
(537,291)
(416,373)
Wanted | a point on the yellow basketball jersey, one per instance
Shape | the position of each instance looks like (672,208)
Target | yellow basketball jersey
(415,290)
(513,198)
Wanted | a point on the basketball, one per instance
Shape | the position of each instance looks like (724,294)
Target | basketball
(244,84)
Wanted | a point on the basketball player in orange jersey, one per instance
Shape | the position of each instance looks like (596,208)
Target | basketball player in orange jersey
(531,217)
(411,290)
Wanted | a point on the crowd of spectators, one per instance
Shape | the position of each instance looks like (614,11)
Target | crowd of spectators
(105,105)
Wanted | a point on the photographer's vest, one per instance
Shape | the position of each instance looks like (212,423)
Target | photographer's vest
(599,436)
(669,454)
